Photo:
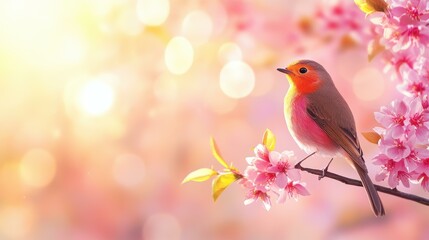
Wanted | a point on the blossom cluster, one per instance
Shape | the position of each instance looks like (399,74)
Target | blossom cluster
(341,23)
(271,172)
(404,156)
(268,172)
(403,30)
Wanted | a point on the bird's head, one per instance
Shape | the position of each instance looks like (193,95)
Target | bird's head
(306,75)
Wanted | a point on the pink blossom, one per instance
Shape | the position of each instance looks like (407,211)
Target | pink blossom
(342,20)
(282,169)
(423,166)
(254,193)
(396,148)
(423,173)
(413,161)
(419,120)
(403,31)
(413,84)
(416,9)
(424,181)
(393,117)
(393,170)
(271,172)
(398,61)
(402,159)
(408,34)
(293,190)
(404,26)
(262,152)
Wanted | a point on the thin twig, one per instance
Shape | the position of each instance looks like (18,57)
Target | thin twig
(354,182)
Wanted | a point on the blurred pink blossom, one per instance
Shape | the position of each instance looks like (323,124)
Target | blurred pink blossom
(341,22)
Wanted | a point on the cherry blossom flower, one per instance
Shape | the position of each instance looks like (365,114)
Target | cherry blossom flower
(395,171)
(404,32)
(393,117)
(282,169)
(396,148)
(254,193)
(292,190)
(419,120)
(271,172)
(424,181)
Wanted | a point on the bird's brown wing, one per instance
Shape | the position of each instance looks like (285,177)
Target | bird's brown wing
(339,128)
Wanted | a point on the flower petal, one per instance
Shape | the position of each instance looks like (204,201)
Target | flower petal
(294,174)
(275,157)
(301,190)
(266,201)
(281,180)
(282,197)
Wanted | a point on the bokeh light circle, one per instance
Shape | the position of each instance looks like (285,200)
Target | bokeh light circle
(237,79)
(229,52)
(37,168)
(179,55)
(153,12)
(96,97)
(197,27)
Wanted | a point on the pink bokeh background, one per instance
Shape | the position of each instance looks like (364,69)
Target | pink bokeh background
(100,122)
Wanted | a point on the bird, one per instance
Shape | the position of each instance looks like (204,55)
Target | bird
(320,120)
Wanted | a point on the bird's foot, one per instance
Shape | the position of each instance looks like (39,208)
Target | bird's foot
(325,170)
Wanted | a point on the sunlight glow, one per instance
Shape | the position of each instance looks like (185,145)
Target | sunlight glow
(31,30)
(96,97)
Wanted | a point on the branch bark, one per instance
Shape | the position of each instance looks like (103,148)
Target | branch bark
(354,182)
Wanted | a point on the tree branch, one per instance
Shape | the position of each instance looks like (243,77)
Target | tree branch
(354,182)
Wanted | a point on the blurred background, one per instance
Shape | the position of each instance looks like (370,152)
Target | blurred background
(106,105)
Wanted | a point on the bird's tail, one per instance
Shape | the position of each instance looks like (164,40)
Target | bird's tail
(377,205)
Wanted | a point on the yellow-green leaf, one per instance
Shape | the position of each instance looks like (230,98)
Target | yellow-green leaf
(364,6)
(372,137)
(369,6)
(200,175)
(222,182)
(216,153)
(269,140)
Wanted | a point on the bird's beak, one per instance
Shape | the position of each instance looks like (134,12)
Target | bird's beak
(284,70)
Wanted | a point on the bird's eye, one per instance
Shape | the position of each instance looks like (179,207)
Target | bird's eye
(303,70)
